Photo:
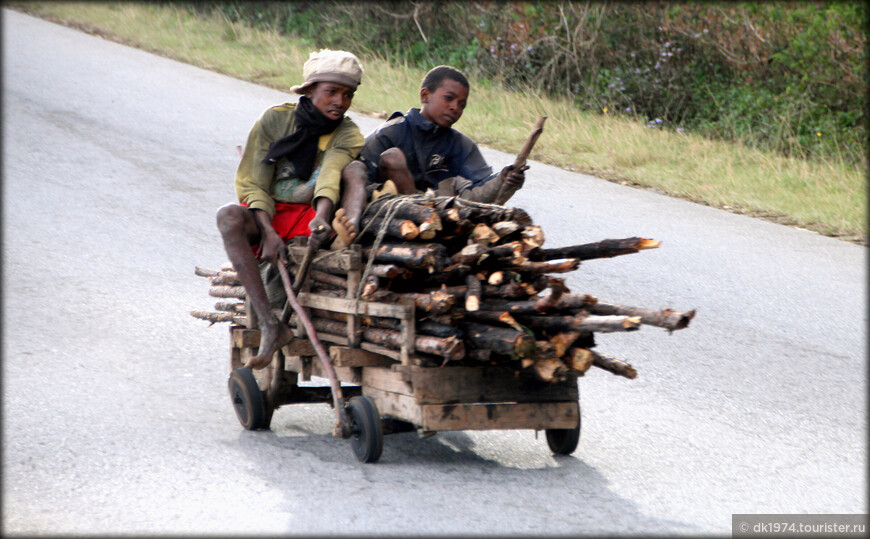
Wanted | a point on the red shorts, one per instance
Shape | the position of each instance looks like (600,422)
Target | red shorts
(290,220)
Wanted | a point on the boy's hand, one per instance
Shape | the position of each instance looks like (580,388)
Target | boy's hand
(320,232)
(272,247)
(514,178)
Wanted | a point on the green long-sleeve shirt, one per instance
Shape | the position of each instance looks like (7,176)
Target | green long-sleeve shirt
(260,185)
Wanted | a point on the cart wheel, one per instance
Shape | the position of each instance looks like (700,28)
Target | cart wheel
(247,399)
(564,441)
(367,433)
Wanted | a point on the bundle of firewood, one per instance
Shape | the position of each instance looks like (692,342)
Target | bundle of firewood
(485,289)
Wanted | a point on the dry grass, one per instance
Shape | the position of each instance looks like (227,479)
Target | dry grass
(827,197)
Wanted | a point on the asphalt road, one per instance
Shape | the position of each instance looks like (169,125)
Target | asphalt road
(116,417)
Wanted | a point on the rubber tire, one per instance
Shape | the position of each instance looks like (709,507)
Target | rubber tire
(564,441)
(247,399)
(367,431)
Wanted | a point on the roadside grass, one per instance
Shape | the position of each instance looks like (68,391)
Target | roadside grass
(824,196)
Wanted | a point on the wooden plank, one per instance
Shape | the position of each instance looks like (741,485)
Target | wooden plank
(352,306)
(378,349)
(353,280)
(337,339)
(334,260)
(350,375)
(355,357)
(394,405)
(299,365)
(235,358)
(433,385)
(385,379)
(529,415)
(244,338)
(408,331)
(299,347)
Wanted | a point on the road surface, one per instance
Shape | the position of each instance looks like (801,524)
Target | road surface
(116,417)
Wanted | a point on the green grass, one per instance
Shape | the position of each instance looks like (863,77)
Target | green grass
(825,196)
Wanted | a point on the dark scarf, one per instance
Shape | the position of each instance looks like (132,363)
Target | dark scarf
(301,147)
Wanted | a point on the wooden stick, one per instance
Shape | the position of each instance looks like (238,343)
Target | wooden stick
(404,229)
(449,348)
(548,266)
(237,292)
(523,156)
(325,361)
(578,359)
(205,272)
(549,369)
(472,294)
(601,249)
(500,340)
(611,364)
(665,318)
(230,307)
(214,317)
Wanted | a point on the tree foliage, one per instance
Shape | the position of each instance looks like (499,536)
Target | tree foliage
(786,76)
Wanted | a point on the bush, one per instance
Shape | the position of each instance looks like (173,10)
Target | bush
(782,76)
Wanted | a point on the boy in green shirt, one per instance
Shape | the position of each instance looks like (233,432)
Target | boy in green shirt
(289,181)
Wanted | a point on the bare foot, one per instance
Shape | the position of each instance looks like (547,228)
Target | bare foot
(344,227)
(272,337)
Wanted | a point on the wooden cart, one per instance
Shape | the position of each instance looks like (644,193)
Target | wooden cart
(389,390)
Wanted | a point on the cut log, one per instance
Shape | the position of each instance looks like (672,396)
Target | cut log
(403,208)
(602,249)
(479,354)
(496,278)
(422,327)
(505,341)
(237,292)
(411,255)
(548,266)
(370,287)
(483,235)
(214,317)
(328,278)
(449,348)
(472,293)
(231,307)
(453,274)
(580,322)
(533,236)
(510,290)
(489,215)
(549,369)
(388,271)
(404,229)
(550,296)
(435,302)
(562,342)
(567,302)
(429,229)
(578,359)
(665,318)
(205,272)
(469,255)
(505,228)
(616,366)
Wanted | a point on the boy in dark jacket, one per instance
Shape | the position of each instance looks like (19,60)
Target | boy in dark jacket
(420,150)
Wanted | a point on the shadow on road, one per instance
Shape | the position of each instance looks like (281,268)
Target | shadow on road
(463,481)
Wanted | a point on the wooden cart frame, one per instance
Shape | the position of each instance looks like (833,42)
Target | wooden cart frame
(390,390)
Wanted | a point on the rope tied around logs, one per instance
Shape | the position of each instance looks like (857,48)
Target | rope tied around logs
(391,205)
(388,210)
